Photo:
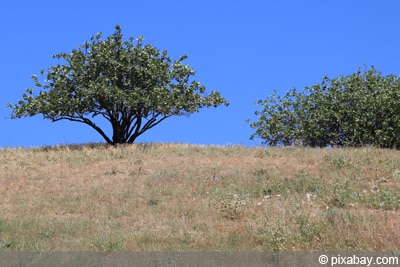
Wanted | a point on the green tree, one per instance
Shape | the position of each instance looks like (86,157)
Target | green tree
(362,109)
(132,85)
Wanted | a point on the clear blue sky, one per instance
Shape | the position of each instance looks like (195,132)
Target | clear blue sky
(244,49)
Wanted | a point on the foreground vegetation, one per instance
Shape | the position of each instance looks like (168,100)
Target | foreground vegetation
(180,197)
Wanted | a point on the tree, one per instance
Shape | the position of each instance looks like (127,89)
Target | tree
(362,109)
(132,85)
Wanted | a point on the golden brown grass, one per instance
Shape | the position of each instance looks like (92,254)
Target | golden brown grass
(177,197)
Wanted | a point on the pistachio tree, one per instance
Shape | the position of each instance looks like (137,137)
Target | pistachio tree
(132,85)
(361,109)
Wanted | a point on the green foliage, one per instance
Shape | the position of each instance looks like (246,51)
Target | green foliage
(274,238)
(382,198)
(132,85)
(231,205)
(362,109)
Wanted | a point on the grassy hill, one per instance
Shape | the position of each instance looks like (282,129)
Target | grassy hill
(171,197)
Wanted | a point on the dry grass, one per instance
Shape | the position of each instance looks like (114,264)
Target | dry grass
(176,197)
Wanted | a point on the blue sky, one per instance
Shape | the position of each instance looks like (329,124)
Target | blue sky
(244,49)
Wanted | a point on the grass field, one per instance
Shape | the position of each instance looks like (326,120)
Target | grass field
(177,197)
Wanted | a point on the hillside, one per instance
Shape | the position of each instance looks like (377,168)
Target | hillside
(172,197)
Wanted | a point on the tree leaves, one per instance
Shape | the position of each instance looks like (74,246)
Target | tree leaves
(131,84)
(356,110)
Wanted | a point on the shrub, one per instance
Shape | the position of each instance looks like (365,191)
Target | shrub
(362,109)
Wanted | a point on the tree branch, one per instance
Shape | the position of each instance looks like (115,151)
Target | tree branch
(88,122)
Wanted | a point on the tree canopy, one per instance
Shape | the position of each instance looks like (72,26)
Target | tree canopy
(362,109)
(132,85)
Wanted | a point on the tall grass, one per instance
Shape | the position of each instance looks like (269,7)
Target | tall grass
(173,197)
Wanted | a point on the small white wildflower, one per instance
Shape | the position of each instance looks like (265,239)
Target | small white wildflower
(308,195)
